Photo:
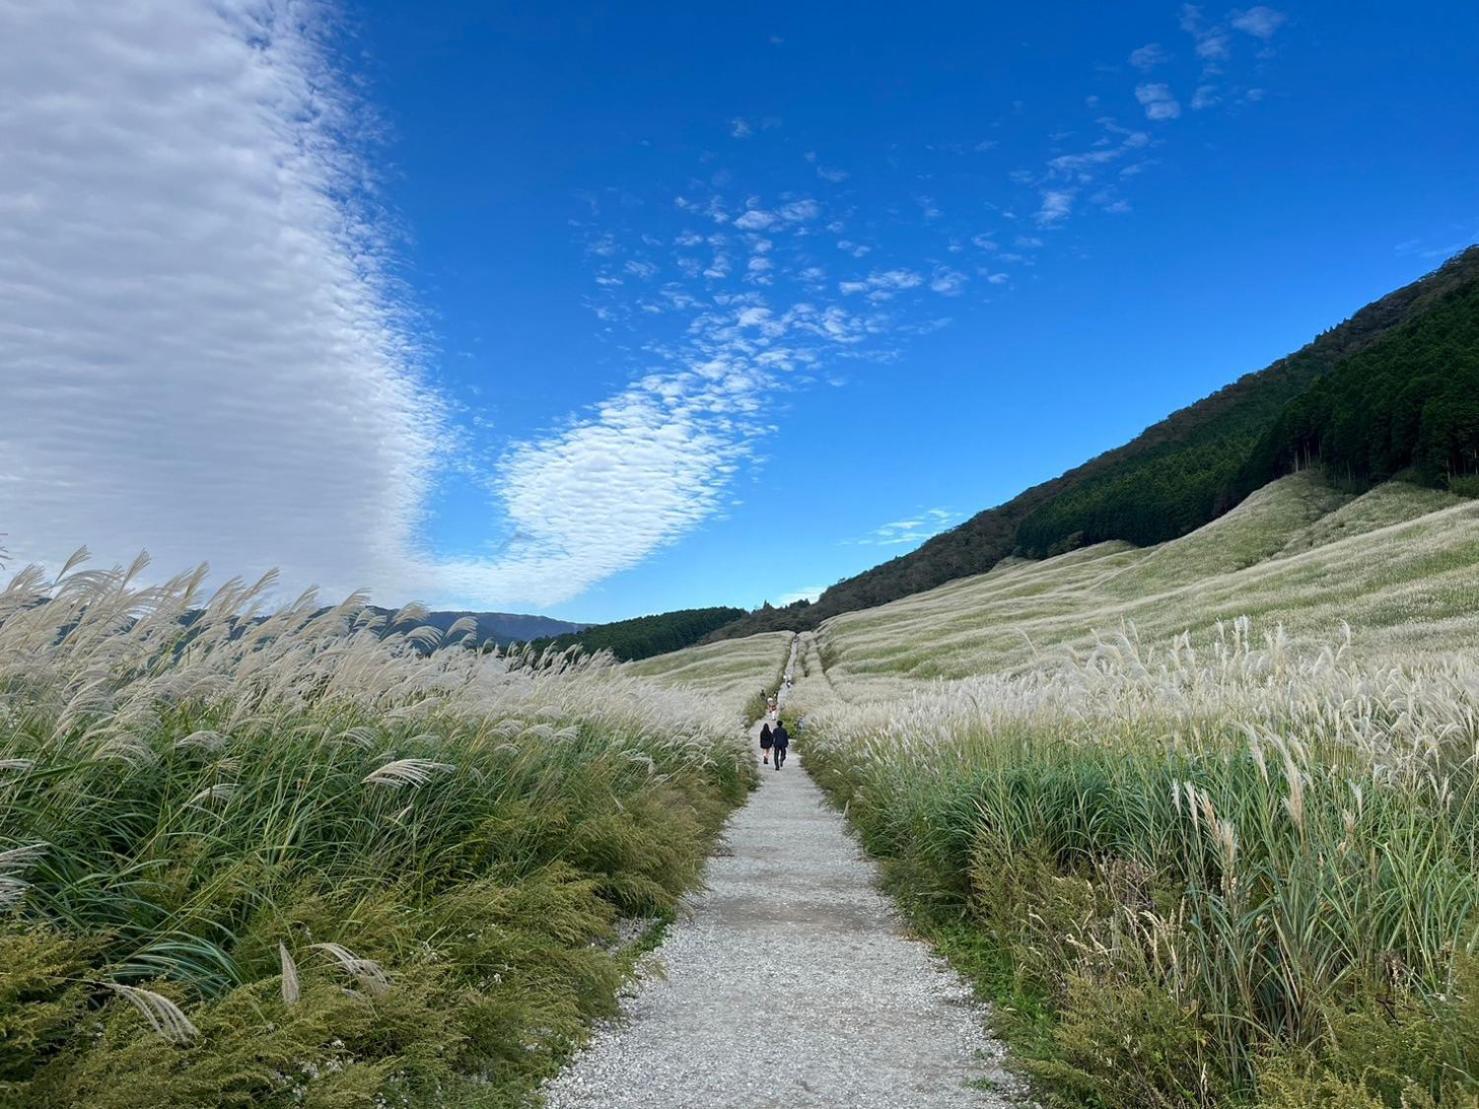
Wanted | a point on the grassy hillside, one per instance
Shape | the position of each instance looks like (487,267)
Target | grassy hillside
(728,674)
(1400,374)
(1400,562)
(1199,817)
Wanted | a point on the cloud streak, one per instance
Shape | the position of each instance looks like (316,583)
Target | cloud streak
(1157,100)
(912,530)
(202,350)
(204,354)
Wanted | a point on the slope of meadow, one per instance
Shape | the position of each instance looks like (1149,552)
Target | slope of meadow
(1390,390)
(1399,563)
(1203,818)
(732,675)
(295,861)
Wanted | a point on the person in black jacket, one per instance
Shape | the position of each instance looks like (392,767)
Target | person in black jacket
(781,740)
(765,742)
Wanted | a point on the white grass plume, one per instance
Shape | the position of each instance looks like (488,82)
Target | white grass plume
(407,772)
(370,975)
(163,1015)
(291,990)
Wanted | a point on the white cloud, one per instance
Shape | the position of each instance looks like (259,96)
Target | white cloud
(826,173)
(948,282)
(1212,42)
(1056,205)
(1214,46)
(646,467)
(1260,21)
(1157,101)
(1077,164)
(915,529)
(805,593)
(800,211)
(1149,56)
(202,350)
(740,129)
(756,219)
(882,284)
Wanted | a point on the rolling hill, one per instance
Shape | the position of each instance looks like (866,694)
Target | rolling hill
(1399,564)
(1400,375)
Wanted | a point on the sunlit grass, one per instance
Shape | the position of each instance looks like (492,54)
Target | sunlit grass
(729,674)
(1211,865)
(296,861)
(1197,858)
(1400,563)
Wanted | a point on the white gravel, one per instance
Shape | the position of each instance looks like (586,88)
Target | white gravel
(791,982)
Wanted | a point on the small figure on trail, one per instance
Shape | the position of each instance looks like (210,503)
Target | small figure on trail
(781,740)
(765,742)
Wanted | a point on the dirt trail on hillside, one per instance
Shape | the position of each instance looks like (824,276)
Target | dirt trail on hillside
(791,982)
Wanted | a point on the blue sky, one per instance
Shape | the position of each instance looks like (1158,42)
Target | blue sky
(605,310)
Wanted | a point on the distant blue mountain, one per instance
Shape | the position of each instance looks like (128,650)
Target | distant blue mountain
(502,628)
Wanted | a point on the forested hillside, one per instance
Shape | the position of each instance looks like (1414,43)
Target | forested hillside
(1393,387)
(645,636)
(1410,401)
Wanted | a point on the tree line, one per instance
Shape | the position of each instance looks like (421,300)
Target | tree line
(644,636)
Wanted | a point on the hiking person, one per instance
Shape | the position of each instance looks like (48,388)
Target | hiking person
(780,739)
(765,743)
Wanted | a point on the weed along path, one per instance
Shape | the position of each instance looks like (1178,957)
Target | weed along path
(790,983)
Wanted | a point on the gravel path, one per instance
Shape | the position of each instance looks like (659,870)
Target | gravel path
(791,983)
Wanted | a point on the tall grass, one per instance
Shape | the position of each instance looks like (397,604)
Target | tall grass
(296,857)
(1245,874)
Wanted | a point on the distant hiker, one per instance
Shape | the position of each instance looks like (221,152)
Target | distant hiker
(765,743)
(780,739)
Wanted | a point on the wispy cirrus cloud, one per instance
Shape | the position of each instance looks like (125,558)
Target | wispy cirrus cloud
(1213,42)
(205,351)
(910,530)
(1158,101)
(1260,22)
(205,354)
(805,593)
(1149,56)
(758,305)
(1056,206)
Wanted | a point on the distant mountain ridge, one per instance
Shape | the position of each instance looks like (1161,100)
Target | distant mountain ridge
(1419,343)
(501,628)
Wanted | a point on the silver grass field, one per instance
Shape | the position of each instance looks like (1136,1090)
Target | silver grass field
(1195,858)
(294,857)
